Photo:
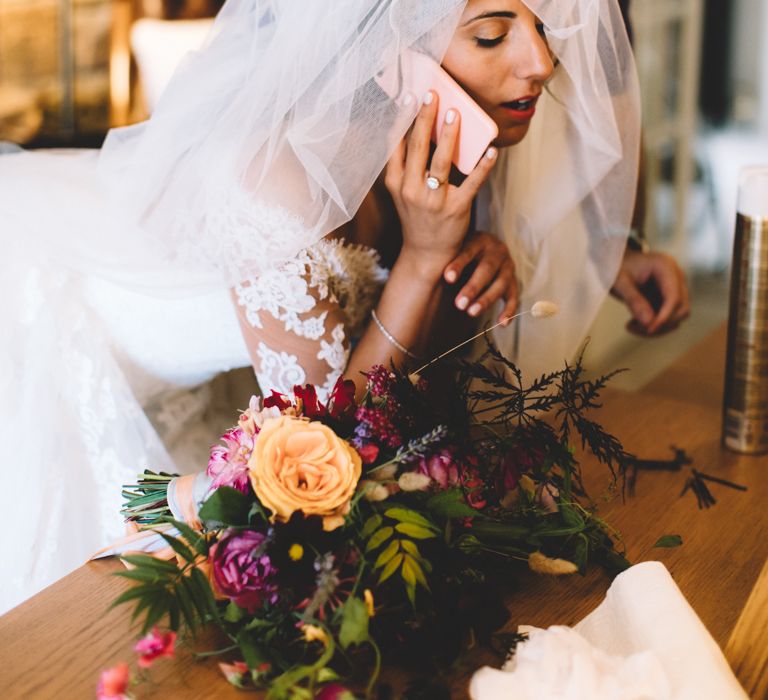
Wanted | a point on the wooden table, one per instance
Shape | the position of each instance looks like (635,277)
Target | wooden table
(55,644)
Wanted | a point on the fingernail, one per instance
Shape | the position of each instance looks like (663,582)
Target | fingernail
(490,154)
(462,303)
(475,309)
(408,100)
(450,116)
(450,276)
(428,98)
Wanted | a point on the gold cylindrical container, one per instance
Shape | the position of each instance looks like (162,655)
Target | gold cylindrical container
(745,402)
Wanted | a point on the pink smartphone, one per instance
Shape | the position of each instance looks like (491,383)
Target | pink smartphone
(419,74)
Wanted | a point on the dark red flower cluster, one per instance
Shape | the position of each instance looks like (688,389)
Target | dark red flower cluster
(340,405)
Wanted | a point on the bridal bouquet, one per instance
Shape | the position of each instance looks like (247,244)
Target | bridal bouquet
(325,535)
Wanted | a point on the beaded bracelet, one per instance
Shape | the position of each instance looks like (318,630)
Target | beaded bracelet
(390,337)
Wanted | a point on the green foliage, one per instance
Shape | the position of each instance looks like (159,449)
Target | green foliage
(354,623)
(227,506)
(669,541)
(179,590)
(394,536)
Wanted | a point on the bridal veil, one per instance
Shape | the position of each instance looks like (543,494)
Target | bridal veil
(265,140)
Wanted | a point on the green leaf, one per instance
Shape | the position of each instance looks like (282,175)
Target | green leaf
(390,568)
(406,515)
(204,587)
(416,531)
(412,573)
(186,605)
(411,591)
(378,539)
(450,504)
(253,653)
(226,505)
(669,541)
(178,546)
(354,623)
(132,594)
(233,613)
(145,575)
(411,548)
(371,525)
(193,538)
(145,561)
(384,558)
(581,553)
(571,516)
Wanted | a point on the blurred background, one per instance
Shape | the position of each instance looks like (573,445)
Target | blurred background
(71,69)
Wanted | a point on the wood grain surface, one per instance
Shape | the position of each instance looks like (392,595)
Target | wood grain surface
(54,645)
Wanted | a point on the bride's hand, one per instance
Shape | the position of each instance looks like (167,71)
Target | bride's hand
(434,222)
(492,279)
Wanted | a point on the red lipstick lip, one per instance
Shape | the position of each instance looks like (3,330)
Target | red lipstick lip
(522,115)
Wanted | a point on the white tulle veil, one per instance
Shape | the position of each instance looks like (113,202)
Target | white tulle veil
(265,140)
(270,136)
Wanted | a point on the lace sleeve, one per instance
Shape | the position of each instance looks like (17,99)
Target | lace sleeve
(298,319)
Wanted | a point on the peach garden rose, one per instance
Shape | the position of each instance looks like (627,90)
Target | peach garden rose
(303,465)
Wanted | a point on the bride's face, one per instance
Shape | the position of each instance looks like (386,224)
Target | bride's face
(500,56)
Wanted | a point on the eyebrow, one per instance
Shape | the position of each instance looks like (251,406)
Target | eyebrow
(486,15)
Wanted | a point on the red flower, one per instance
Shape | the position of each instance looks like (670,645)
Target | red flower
(278,400)
(307,402)
(113,683)
(155,645)
(342,401)
(368,453)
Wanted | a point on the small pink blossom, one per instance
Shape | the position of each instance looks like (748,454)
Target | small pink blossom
(113,683)
(153,646)
(228,463)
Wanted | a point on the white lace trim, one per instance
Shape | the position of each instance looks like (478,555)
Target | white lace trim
(349,276)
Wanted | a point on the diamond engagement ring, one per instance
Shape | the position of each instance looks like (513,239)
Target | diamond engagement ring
(433,183)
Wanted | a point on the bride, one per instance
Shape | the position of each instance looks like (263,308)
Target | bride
(281,209)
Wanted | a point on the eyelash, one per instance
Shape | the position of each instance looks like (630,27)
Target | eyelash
(489,43)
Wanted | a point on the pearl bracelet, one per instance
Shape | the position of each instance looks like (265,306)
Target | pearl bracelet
(390,337)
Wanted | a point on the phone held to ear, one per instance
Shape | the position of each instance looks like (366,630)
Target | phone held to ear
(418,74)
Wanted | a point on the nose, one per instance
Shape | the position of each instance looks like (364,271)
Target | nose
(536,62)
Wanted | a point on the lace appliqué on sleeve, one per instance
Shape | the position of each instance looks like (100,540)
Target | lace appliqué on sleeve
(299,318)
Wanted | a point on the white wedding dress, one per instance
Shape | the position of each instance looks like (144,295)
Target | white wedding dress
(86,361)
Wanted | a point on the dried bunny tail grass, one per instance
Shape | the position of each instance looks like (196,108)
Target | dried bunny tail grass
(542,564)
(540,309)
(544,309)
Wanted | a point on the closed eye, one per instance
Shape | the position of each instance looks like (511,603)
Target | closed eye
(489,43)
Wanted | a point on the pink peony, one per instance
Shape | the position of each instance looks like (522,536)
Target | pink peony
(228,463)
(153,646)
(113,683)
(241,570)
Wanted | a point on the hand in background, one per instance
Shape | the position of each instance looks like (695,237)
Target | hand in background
(654,288)
(492,279)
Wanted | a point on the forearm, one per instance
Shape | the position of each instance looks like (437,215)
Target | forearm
(410,308)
